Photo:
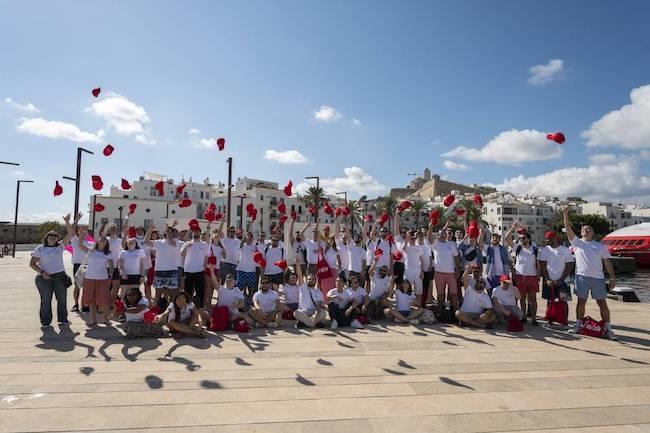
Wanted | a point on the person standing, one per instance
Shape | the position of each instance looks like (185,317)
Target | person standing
(414,263)
(130,265)
(231,245)
(556,263)
(498,259)
(446,263)
(97,281)
(427,268)
(526,273)
(77,259)
(47,261)
(273,252)
(195,255)
(590,256)
(166,268)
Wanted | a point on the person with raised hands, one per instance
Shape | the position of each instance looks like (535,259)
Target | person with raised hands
(477,308)
(446,262)
(273,252)
(78,257)
(266,309)
(195,255)
(498,260)
(314,247)
(231,245)
(427,267)
(310,312)
(380,288)
(51,279)
(298,244)
(97,280)
(215,258)
(414,263)
(229,295)
(130,265)
(526,271)
(166,275)
(115,247)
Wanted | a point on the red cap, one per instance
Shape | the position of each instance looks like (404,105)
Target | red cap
(383,218)
(404,205)
(212,206)
(194,225)
(448,200)
(218,216)
(478,201)
(287,189)
(390,238)
(98,184)
(282,264)
(108,150)
(328,209)
(58,189)
(96,91)
(99,207)
(459,211)
(254,214)
(132,231)
(209,215)
(558,137)
(294,215)
(250,207)
(503,278)
(221,143)
(337,211)
(160,187)
(368,218)
(434,216)
(132,207)
(125,184)
(283,219)
(397,255)
(521,231)
(258,257)
(550,234)
(186,202)
(472,232)
(312,209)
(345,211)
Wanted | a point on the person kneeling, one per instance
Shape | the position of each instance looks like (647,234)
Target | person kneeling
(266,307)
(477,309)
(406,310)
(182,317)
(505,298)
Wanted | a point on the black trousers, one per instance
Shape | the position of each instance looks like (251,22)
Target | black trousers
(398,272)
(337,313)
(195,287)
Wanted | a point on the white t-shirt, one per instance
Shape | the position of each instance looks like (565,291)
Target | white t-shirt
(378,287)
(526,261)
(166,255)
(229,298)
(475,302)
(298,248)
(138,317)
(289,294)
(507,298)
(131,261)
(471,283)
(342,299)
(266,300)
(179,260)
(443,256)
(97,264)
(77,253)
(246,263)
(344,254)
(413,258)
(589,257)
(50,258)
(115,245)
(387,248)
(195,254)
(186,312)
(556,260)
(403,301)
(358,295)
(312,250)
(305,300)
(370,252)
(356,256)
(330,256)
(231,245)
(426,254)
(272,255)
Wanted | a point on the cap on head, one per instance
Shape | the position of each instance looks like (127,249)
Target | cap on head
(504,279)
(550,235)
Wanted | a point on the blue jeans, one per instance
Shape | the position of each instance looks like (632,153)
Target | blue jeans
(48,288)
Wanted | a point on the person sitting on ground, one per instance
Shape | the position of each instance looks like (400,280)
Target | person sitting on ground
(342,310)
(406,309)
(290,293)
(136,306)
(504,299)
(477,309)
(229,296)
(377,301)
(358,296)
(310,312)
(182,317)
(266,307)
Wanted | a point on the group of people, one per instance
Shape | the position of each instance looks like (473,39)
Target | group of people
(329,278)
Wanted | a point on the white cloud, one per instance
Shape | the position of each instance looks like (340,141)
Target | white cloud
(123,116)
(193,131)
(41,217)
(285,157)
(58,130)
(207,143)
(451,165)
(607,177)
(356,122)
(542,74)
(511,147)
(327,114)
(628,127)
(355,181)
(27,107)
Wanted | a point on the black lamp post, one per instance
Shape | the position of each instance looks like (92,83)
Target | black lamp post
(229,161)
(18,182)
(77,181)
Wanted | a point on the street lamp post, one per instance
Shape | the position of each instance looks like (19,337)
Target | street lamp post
(241,198)
(13,253)
(317,198)
(229,161)
(9,163)
(121,208)
(77,181)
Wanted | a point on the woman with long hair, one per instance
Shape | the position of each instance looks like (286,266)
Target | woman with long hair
(150,258)
(97,281)
(131,266)
(47,261)
(331,255)
(182,317)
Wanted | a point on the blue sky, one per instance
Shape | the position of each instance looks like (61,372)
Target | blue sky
(421,78)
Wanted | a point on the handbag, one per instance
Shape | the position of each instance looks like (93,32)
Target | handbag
(556,310)
(219,318)
(592,328)
(323,270)
(81,272)
(67,281)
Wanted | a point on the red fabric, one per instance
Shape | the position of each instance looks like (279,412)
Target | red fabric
(96,91)
(460,211)
(219,319)
(209,215)
(434,216)
(132,207)
(282,208)
(282,264)
(362,319)
(558,137)
(478,201)
(288,315)
(404,205)
(345,211)
(99,207)
(557,311)
(515,325)
(98,184)
(125,184)
(323,270)
(119,306)
(283,219)
(186,202)
(108,150)
(58,189)
(132,232)
(368,218)
(397,255)
(179,188)
(592,327)
(448,200)
(193,224)
(379,252)
(294,215)
(160,187)
(287,189)
(242,326)
(383,218)
(221,143)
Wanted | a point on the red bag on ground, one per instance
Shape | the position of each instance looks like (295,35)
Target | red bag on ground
(119,306)
(219,319)
(592,328)
(242,326)
(556,310)
(362,319)
(150,315)
(288,315)
(515,325)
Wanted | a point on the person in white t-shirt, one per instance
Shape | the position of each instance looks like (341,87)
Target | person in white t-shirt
(427,268)
(77,259)
(477,309)
(115,247)
(273,252)
(228,295)
(526,272)
(247,268)
(313,248)
(136,306)
(195,255)
(310,312)
(590,256)
(97,284)
(166,274)
(290,294)
(130,265)
(556,263)
(266,307)
(182,317)
(381,285)
(446,263)
(505,298)
(406,309)
(414,262)
(215,258)
(342,308)
(356,258)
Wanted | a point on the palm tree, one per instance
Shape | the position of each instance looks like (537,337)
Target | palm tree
(417,206)
(472,211)
(388,205)
(314,197)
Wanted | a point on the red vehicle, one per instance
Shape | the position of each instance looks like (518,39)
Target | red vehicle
(632,241)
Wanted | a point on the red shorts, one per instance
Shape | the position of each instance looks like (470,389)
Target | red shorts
(96,292)
(150,275)
(448,280)
(527,284)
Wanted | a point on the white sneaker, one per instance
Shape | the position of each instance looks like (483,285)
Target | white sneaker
(356,324)
(576,328)
(272,324)
(609,332)
(334,324)
(414,322)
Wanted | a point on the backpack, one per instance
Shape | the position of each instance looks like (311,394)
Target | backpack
(219,318)
(242,326)
(444,316)
(519,247)
(592,328)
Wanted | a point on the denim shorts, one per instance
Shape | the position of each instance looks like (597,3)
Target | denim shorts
(596,285)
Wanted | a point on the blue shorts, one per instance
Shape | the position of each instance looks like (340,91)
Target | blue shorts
(596,285)
(405,313)
(247,279)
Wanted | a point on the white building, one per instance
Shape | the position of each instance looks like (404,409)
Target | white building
(535,218)
(614,213)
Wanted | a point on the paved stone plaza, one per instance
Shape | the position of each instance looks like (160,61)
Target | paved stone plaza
(387,378)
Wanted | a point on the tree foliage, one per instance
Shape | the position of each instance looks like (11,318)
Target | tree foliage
(598,222)
(47,226)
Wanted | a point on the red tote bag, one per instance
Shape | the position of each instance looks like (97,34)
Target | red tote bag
(323,270)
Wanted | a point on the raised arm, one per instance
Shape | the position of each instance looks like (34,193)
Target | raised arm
(396,224)
(147,235)
(70,228)
(508,235)
(570,234)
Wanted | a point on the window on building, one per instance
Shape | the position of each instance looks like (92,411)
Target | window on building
(300,209)
(201,194)
(207,195)
(238,210)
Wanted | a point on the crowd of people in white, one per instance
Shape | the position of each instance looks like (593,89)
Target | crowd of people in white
(192,279)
